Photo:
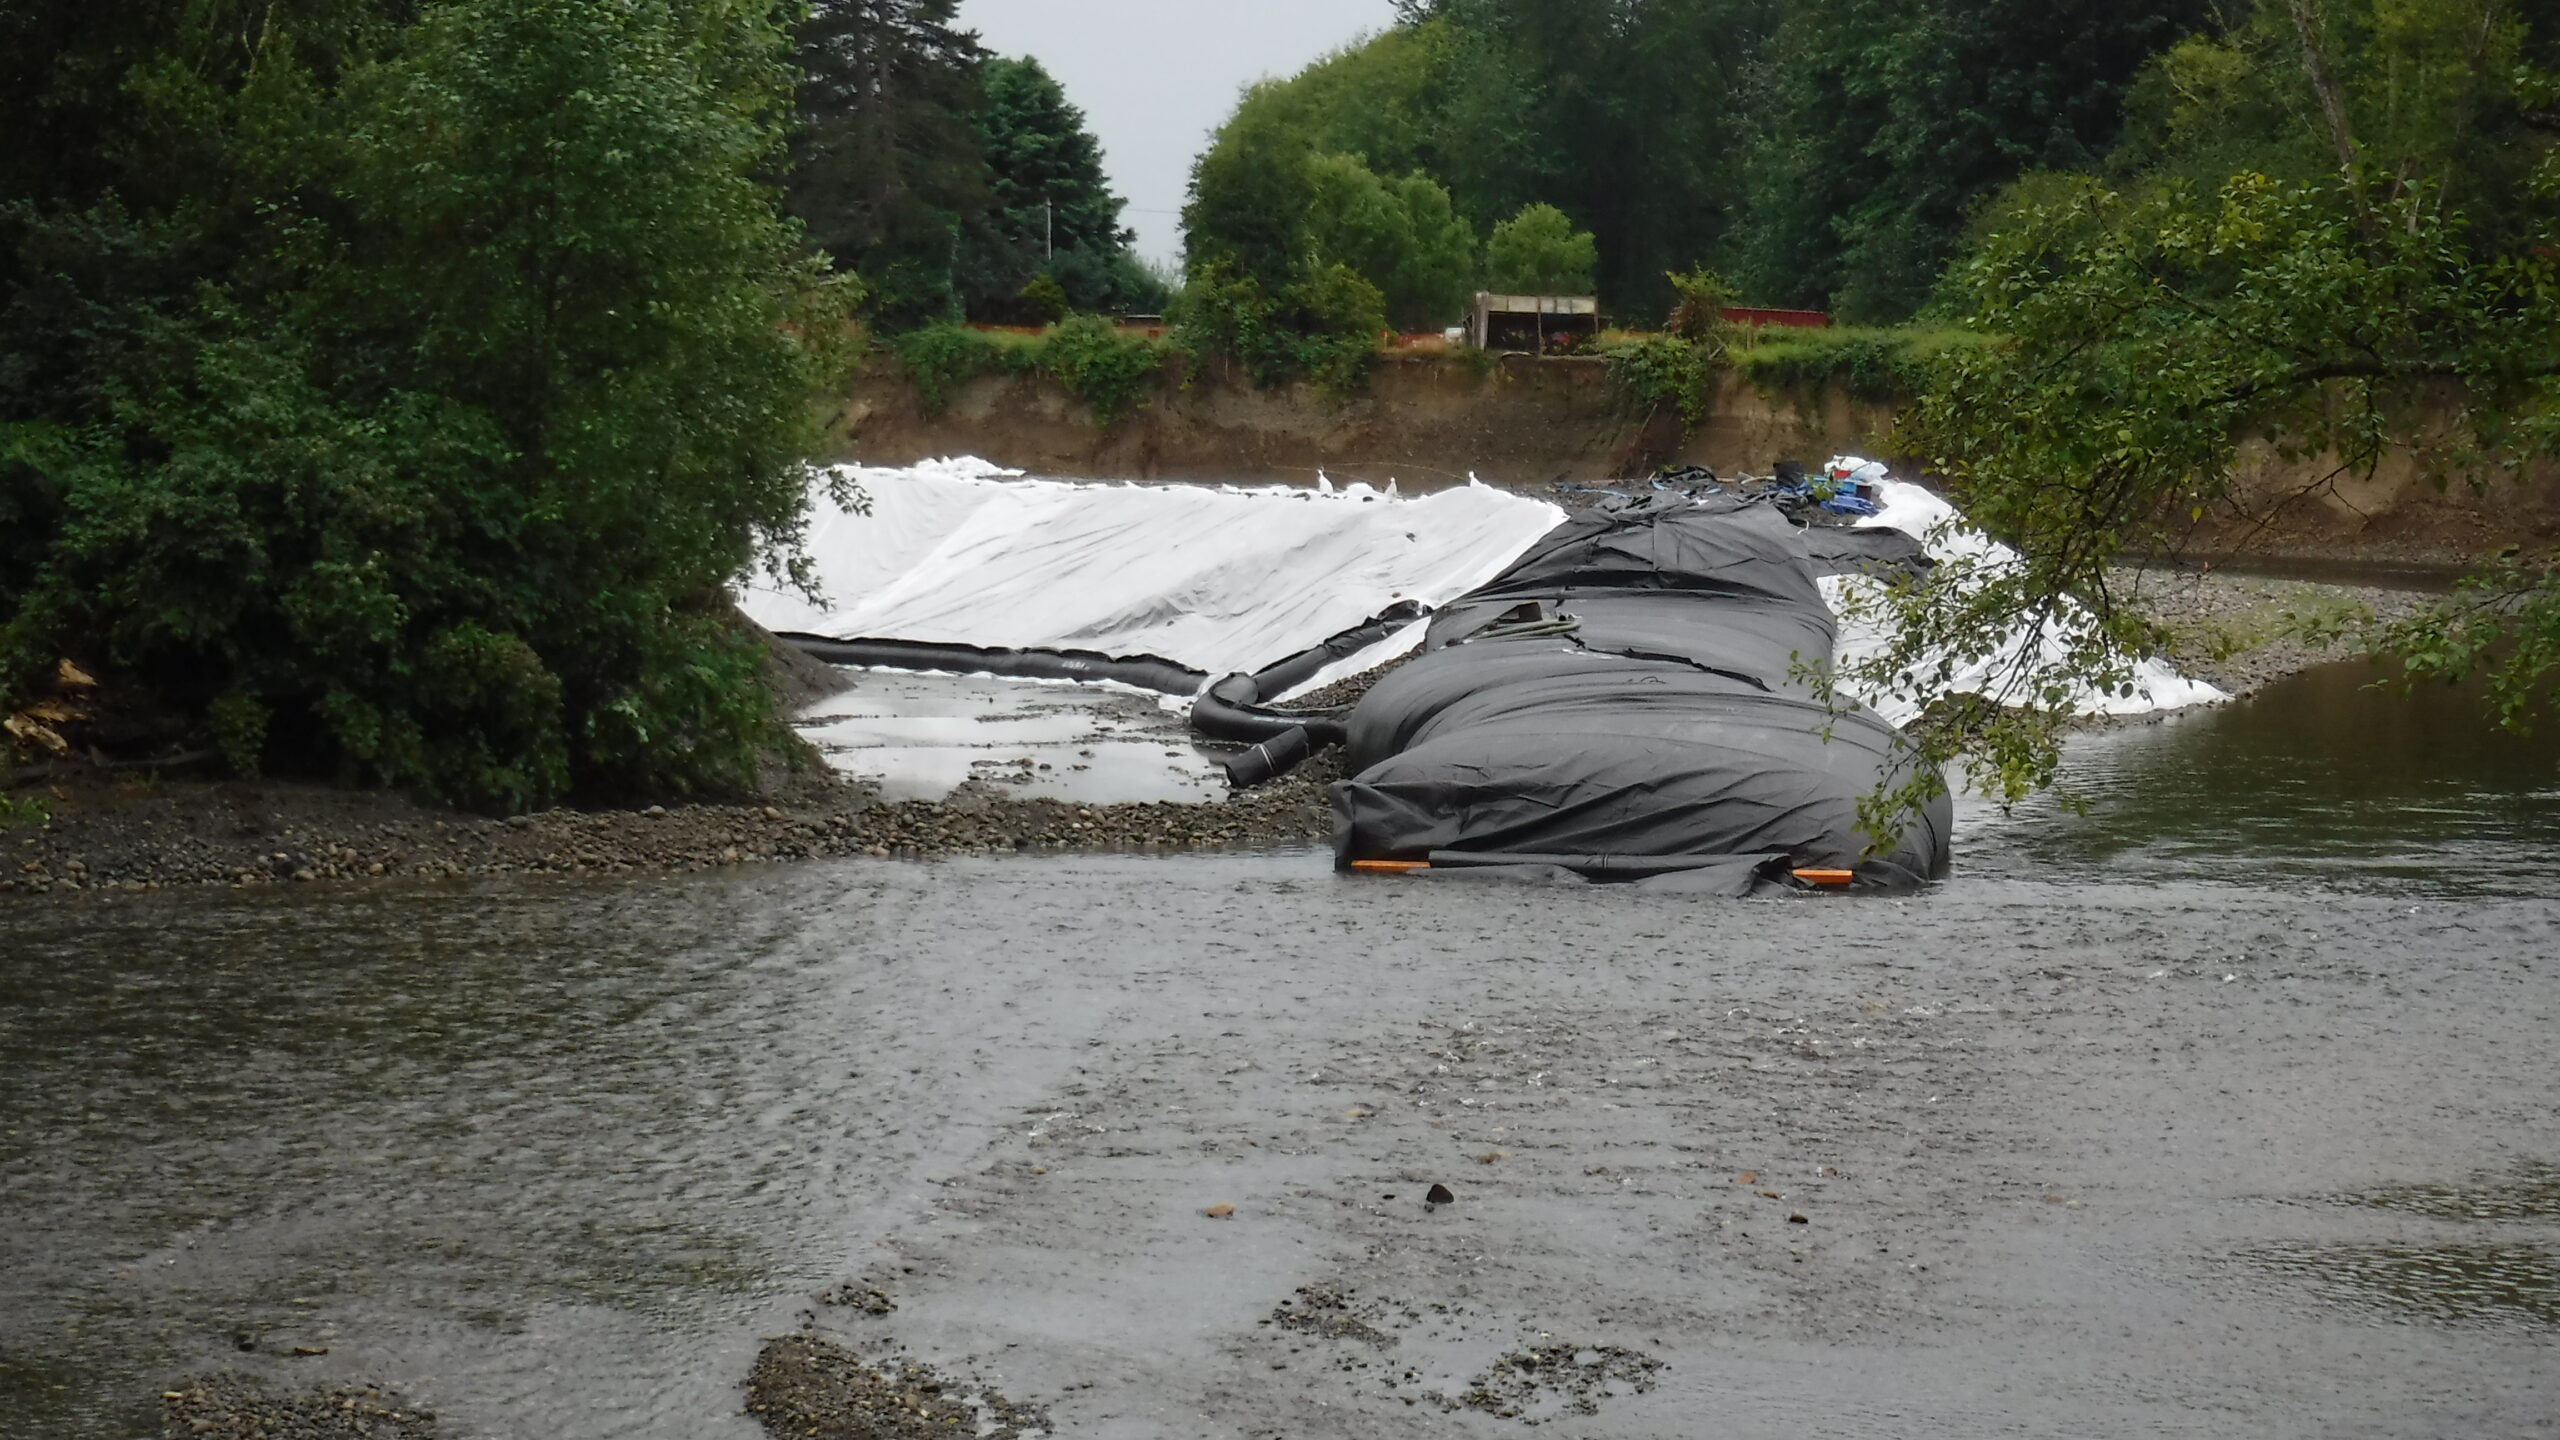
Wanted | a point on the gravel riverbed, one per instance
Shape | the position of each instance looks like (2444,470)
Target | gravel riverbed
(121,834)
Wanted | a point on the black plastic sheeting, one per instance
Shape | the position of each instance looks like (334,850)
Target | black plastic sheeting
(1623,699)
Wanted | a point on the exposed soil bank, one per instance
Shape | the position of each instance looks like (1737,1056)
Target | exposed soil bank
(1423,420)
(1520,420)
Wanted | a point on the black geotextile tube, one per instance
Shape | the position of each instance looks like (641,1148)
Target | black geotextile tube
(1674,718)
(1232,708)
(1284,675)
(1147,672)
(1630,867)
(1272,758)
(1227,711)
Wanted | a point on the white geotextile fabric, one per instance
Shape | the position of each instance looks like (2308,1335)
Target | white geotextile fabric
(1940,527)
(1218,578)
(1223,578)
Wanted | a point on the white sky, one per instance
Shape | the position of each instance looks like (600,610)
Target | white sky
(1154,77)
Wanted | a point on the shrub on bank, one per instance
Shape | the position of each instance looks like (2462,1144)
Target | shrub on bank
(1880,364)
(1102,366)
(367,447)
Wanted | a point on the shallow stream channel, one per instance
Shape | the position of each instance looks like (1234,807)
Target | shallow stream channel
(2227,1108)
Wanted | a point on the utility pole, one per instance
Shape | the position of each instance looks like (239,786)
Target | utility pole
(1049,226)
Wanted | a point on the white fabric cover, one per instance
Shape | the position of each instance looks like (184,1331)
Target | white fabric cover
(1214,577)
(1938,525)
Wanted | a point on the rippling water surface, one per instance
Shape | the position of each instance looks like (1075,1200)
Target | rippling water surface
(2322,779)
(557,1154)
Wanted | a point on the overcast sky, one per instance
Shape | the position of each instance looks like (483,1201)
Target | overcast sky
(1154,77)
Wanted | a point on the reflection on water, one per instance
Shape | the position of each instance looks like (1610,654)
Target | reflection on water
(2321,778)
(919,736)
(563,1152)
(2457,1283)
(255,1124)
(2530,1192)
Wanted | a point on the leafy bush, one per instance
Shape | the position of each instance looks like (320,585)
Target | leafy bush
(1044,299)
(1538,252)
(1322,329)
(1882,365)
(415,462)
(1659,370)
(1699,312)
(1108,371)
(940,358)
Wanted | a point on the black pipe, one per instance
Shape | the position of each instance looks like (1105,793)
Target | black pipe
(1272,758)
(1227,711)
(1282,676)
(1232,708)
(1147,672)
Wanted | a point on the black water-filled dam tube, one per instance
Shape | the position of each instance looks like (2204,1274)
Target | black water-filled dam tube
(1145,672)
(1278,740)
(1630,688)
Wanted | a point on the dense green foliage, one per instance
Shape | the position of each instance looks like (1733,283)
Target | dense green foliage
(1822,152)
(393,390)
(1403,236)
(887,170)
(948,178)
(1538,252)
(2343,307)
(1109,370)
(1322,326)
(1880,123)
(1053,213)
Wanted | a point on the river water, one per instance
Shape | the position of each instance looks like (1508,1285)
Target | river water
(2224,1108)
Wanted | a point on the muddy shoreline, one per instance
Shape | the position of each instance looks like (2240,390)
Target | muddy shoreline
(120,834)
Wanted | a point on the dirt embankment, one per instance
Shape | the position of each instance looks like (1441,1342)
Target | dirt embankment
(1424,420)
(1428,420)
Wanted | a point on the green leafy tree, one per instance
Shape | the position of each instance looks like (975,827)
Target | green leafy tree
(2135,342)
(1323,326)
(1402,236)
(1538,252)
(438,377)
(1880,123)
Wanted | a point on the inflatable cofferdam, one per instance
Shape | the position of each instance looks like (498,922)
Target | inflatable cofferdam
(1619,704)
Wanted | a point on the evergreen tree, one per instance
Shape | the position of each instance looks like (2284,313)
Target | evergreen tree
(887,170)
(1885,121)
(1053,212)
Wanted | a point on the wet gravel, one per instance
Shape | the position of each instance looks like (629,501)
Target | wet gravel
(104,833)
(2230,628)
(105,836)
(807,1387)
(231,1406)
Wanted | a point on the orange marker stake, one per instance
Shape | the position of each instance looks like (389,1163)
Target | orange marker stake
(1389,867)
(1826,877)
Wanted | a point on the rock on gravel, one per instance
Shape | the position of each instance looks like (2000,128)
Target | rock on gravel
(231,1406)
(806,1387)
